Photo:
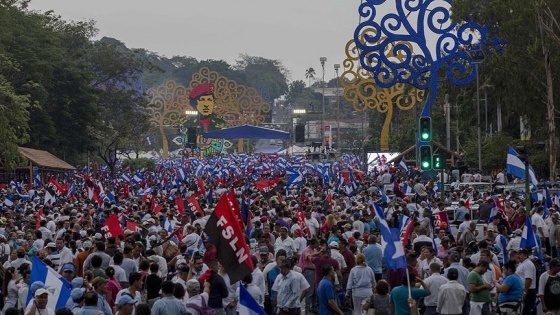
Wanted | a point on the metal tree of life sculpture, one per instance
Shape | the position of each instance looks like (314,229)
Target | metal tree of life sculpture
(235,104)
(361,90)
(168,103)
(421,39)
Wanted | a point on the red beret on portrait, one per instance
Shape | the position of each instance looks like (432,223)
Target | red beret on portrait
(202,89)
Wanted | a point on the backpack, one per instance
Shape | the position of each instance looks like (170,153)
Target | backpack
(204,310)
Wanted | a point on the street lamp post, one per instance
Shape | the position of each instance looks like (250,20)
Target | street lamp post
(477,56)
(336,67)
(323,60)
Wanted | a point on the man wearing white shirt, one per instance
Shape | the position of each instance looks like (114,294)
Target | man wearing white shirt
(285,242)
(527,271)
(311,223)
(433,282)
(538,224)
(65,253)
(191,239)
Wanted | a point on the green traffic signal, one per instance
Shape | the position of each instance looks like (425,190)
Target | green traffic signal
(425,157)
(425,129)
(437,161)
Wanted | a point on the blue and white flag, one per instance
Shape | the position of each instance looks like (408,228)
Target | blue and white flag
(37,181)
(181,173)
(137,178)
(493,211)
(384,196)
(126,177)
(8,201)
(111,197)
(393,250)
(528,237)
(407,189)
(295,179)
(516,167)
(503,245)
(58,287)
(19,190)
(403,166)
(247,304)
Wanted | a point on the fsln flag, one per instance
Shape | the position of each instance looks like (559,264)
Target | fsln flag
(247,304)
(58,287)
(225,233)
(111,226)
(393,250)
(516,167)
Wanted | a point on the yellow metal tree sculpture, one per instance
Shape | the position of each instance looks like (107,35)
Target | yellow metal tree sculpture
(360,90)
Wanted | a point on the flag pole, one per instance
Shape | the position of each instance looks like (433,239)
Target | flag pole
(408,281)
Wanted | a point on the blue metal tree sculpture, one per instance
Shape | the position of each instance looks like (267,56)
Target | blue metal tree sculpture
(438,43)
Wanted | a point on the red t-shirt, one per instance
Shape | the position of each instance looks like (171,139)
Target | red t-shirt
(319,262)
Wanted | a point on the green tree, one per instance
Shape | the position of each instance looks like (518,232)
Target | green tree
(259,71)
(522,77)
(14,118)
(121,101)
(309,75)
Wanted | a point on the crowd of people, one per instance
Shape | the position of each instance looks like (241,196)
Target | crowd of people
(316,249)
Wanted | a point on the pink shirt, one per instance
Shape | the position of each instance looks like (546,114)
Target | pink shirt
(305,263)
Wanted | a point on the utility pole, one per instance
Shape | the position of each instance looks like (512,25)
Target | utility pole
(323,60)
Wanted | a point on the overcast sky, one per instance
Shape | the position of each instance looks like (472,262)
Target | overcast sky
(297,32)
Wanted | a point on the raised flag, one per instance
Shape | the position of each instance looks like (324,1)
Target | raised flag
(441,220)
(8,201)
(247,304)
(180,203)
(393,250)
(181,173)
(126,177)
(267,185)
(384,196)
(246,215)
(295,179)
(406,230)
(136,227)
(516,167)
(407,189)
(528,237)
(137,178)
(58,287)
(200,185)
(37,181)
(402,165)
(193,205)
(503,245)
(225,233)
(111,226)
(493,211)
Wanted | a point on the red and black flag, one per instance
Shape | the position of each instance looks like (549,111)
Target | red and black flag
(225,233)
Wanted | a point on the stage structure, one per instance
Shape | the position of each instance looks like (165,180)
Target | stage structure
(218,102)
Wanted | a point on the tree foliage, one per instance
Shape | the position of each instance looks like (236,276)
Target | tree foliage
(521,78)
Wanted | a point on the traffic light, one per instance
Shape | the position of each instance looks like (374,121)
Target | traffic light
(191,135)
(425,157)
(425,126)
(438,161)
